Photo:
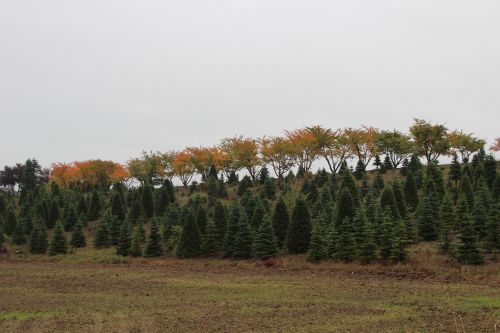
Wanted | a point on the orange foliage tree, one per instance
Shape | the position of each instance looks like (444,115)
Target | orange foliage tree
(183,167)
(203,158)
(152,167)
(276,151)
(243,153)
(303,146)
(362,142)
(465,144)
(333,146)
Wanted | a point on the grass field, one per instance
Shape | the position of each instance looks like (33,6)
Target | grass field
(94,291)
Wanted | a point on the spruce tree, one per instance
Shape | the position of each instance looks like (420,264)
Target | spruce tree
(19,236)
(427,227)
(258,215)
(466,189)
(244,238)
(141,226)
(398,243)
(114,225)
(367,246)
(387,163)
(399,196)
(136,211)
(69,218)
(360,170)
(318,246)
(95,207)
(468,250)
(201,219)
(10,221)
(346,250)
(378,182)
(455,171)
(58,244)
(281,219)
(78,237)
(102,237)
(135,249)
(219,218)
(495,191)
(125,241)
(492,239)
(232,231)
(299,231)
(448,224)
(345,206)
(163,201)
(82,206)
(117,207)
(54,214)
(190,242)
(387,200)
(38,242)
(147,201)
(332,241)
(480,218)
(153,246)
(411,192)
(211,240)
(349,183)
(265,245)
(269,189)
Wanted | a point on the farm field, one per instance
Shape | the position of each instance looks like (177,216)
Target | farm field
(89,293)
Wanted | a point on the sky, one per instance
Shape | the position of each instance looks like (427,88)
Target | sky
(107,79)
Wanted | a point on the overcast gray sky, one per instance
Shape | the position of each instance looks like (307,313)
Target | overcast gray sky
(107,79)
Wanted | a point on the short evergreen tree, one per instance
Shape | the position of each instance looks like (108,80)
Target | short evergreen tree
(455,171)
(299,231)
(147,201)
(347,250)
(54,214)
(387,163)
(82,206)
(367,246)
(468,250)
(102,237)
(95,207)
(69,218)
(10,221)
(269,189)
(345,206)
(154,247)
(244,238)
(318,246)
(281,219)
(447,225)
(492,239)
(136,244)
(117,207)
(398,243)
(38,242)
(125,240)
(232,231)
(201,219)
(78,237)
(411,192)
(265,245)
(211,240)
(427,227)
(19,235)
(58,244)
(219,218)
(190,242)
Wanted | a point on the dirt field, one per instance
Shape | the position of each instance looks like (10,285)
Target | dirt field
(210,295)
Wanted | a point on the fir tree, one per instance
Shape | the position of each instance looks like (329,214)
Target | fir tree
(480,218)
(219,218)
(38,242)
(466,189)
(153,246)
(411,192)
(345,206)
(141,226)
(163,201)
(78,237)
(2,236)
(427,227)
(360,170)
(468,250)
(232,231)
(399,196)
(269,189)
(318,246)
(265,245)
(378,182)
(258,215)
(190,242)
(136,211)
(492,239)
(398,243)
(387,163)
(495,191)
(10,222)
(490,170)
(54,214)
(367,245)
(385,241)
(58,244)
(19,236)
(281,219)
(455,171)
(377,162)
(125,241)
(147,201)
(95,207)
(102,238)
(346,250)
(299,231)
(244,238)
(117,207)
(263,175)
(448,223)
(69,218)
(349,183)
(82,206)
(114,225)
(387,200)
(211,240)
(136,244)
(201,219)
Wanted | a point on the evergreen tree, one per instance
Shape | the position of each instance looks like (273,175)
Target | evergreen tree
(318,246)
(427,227)
(349,183)
(58,244)
(398,243)
(332,241)
(387,163)
(345,207)
(367,246)
(69,218)
(201,219)
(377,162)
(269,189)
(468,250)
(232,231)
(219,218)
(82,206)
(10,221)
(495,191)
(211,241)
(141,226)
(125,241)
(265,245)
(386,237)
(95,207)
(448,223)
(19,236)
(190,241)
(28,221)
(136,211)
(163,201)
(347,250)
(455,171)
(281,219)
(147,201)
(360,170)
(466,189)
(153,246)
(480,218)
(117,209)
(299,231)
(78,237)
(411,192)
(326,202)
(387,200)
(263,175)
(38,242)
(102,237)
(54,214)
(136,244)
(399,196)
(258,215)
(244,238)
(2,237)
(492,239)
(378,182)
(490,170)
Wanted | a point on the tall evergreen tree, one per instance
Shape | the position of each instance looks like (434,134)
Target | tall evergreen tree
(230,240)
(299,231)
(162,202)
(54,214)
(385,239)
(347,249)
(211,240)
(38,242)
(125,241)
(466,189)
(398,243)
(411,192)
(427,226)
(58,244)
(399,196)
(201,219)
(19,235)
(387,200)
(69,218)
(117,207)
(468,250)
(455,171)
(258,215)
(492,239)
(82,205)
(95,207)
(102,237)
(136,211)
(154,247)
(269,189)
(78,237)
(318,246)
(265,245)
(448,224)
(345,207)
(281,219)
(10,221)
(219,218)
(135,249)
(367,246)
(147,201)
(190,242)
(244,238)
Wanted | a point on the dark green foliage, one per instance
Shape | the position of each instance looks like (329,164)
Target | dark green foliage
(82,206)
(136,211)
(232,231)
(153,246)
(387,163)
(263,175)
(360,170)
(377,162)
(162,202)
(345,206)
(201,219)
(490,170)
(248,202)
(318,246)
(387,200)
(466,189)
(245,184)
(114,229)
(468,250)
(492,239)
(346,248)
(190,242)
(447,225)
(117,207)
(78,237)
(19,235)
(399,196)
(411,192)
(367,246)
(69,218)
(211,240)
(2,237)
(58,244)
(95,207)
(38,242)
(495,191)
(102,237)
(455,170)
(312,197)
(269,189)
(147,201)
(136,244)
(244,238)
(170,190)
(280,219)
(125,240)
(219,218)
(54,214)
(265,245)
(141,226)
(398,243)
(349,183)
(427,224)
(378,182)
(326,204)
(480,218)
(385,239)
(258,215)
(299,231)
(10,221)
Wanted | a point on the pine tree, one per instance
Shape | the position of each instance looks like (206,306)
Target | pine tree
(318,246)
(163,201)
(347,250)
(147,201)
(265,245)
(28,221)
(54,214)
(82,206)
(387,200)
(360,170)
(492,239)
(95,207)
(141,226)
(69,218)
(411,192)
(78,237)
(349,183)
(58,244)
(281,219)
(258,215)
(211,240)
(427,227)
(387,163)
(480,218)
(399,196)
(377,162)
(244,238)
(201,219)
(117,207)
(378,182)
(468,250)
(455,170)
(125,241)
(219,218)
(190,242)
(490,170)
(269,189)
(367,246)
(332,241)
(299,231)
(448,223)
(136,244)
(398,243)
(326,202)
(153,246)
(19,236)
(466,189)
(102,237)
(232,231)
(38,242)
(10,221)
(136,211)
(495,191)
(345,207)
(385,241)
